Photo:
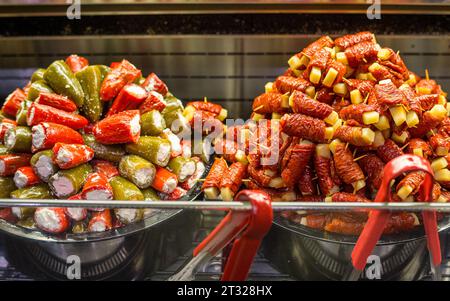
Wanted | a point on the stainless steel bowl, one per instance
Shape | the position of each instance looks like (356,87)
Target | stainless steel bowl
(309,254)
(94,247)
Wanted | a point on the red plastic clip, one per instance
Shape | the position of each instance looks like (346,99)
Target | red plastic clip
(249,227)
(378,219)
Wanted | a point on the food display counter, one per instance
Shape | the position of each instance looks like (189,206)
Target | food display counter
(184,140)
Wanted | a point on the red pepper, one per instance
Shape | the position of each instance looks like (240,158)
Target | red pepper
(233,176)
(76,213)
(56,101)
(117,78)
(122,127)
(154,101)
(38,113)
(215,174)
(7,215)
(295,161)
(25,176)
(352,39)
(129,98)
(13,101)
(5,125)
(106,167)
(205,122)
(227,149)
(114,65)
(47,134)
(154,83)
(100,221)
(52,220)
(11,162)
(164,181)
(76,63)
(176,194)
(71,155)
(97,182)
(306,185)
(206,106)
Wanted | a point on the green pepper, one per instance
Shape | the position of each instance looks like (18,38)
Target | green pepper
(38,87)
(39,191)
(126,191)
(4,150)
(59,76)
(43,165)
(27,223)
(152,123)
(21,117)
(104,70)
(23,212)
(6,187)
(79,227)
(138,170)
(172,111)
(150,194)
(139,81)
(38,75)
(202,149)
(154,149)
(18,139)
(111,153)
(182,167)
(90,79)
(68,182)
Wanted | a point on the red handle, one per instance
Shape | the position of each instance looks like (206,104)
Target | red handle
(252,224)
(378,219)
(245,247)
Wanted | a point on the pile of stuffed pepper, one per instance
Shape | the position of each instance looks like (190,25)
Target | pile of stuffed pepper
(93,132)
(342,110)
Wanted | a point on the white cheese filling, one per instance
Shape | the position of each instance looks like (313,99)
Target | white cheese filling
(175,142)
(17,212)
(38,136)
(199,170)
(135,125)
(163,154)
(62,186)
(98,226)
(44,167)
(76,214)
(127,215)
(187,170)
(47,219)
(99,195)
(64,156)
(10,138)
(170,185)
(143,177)
(157,118)
(20,179)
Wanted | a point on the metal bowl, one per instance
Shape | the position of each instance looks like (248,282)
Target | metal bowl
(93,247)
(309,254)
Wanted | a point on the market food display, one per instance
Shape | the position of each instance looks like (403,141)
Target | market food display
(78,131)
(324,129)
